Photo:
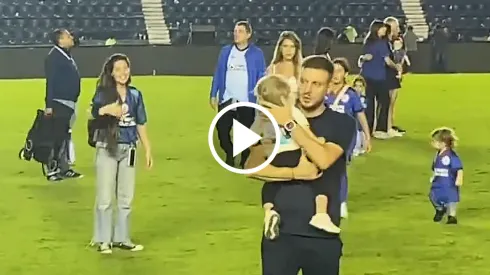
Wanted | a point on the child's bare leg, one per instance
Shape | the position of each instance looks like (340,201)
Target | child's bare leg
(321,202)
(321,219)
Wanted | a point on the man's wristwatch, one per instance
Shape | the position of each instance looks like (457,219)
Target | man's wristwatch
(289,126)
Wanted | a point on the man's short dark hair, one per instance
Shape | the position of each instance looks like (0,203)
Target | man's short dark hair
(245,24)
(342,61)
(410,28)
(56,35)
(320,62)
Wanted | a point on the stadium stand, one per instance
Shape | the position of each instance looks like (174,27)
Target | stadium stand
(270,17)
(467,18)
(28,22)
(31,21)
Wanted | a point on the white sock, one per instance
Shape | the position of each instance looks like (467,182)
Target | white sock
(71,152)
(344,213)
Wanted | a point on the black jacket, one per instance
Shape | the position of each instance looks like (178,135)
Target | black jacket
(62,77)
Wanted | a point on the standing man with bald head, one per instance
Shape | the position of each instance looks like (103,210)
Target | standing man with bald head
(392,81)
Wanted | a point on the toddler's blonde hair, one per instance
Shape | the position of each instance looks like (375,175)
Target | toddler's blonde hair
(272,88)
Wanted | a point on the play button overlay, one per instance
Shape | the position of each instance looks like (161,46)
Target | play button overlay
(243,137)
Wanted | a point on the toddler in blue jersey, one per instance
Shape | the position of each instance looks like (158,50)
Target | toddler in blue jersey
(359,85)
(447,177)
(274,89)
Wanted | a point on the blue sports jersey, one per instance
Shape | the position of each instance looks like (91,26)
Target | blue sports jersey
(350,103)
(445,168)
(134,114)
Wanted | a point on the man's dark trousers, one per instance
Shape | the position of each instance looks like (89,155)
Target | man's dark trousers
(288,254)
(244,115)
(61,116)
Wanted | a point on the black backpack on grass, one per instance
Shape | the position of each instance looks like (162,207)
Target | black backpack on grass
(40,143)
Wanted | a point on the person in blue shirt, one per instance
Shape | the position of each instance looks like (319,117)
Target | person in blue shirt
(374,72)
(343,99)
(121,118)
(447,177)
(240,66)
(359,85)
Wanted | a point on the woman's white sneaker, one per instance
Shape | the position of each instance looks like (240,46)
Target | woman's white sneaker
(394,133)
(129,246)
(105,248)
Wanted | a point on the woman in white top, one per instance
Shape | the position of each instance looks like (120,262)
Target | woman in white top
(287,58)
(286,62)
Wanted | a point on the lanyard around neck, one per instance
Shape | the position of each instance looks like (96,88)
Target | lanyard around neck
(63,53)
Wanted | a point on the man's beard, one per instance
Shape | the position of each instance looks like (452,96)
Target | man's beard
(313,107)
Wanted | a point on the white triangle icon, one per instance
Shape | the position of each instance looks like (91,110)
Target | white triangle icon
(243,138)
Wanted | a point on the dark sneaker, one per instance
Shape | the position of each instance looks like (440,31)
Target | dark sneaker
(452,220)
(70,174)
(105,248)
(129,246)
(439,215)
(55,177)
(399,129)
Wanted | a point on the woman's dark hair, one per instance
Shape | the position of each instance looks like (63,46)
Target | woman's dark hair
(324,39)
(388,31)
(106,85)
(372,35)
(445,135)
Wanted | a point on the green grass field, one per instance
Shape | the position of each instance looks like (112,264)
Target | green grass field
(196,218)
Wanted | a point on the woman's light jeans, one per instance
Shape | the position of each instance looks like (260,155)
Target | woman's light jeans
(115,181)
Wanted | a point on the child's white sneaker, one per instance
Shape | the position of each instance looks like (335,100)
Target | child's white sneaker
(322,221)
(272,220)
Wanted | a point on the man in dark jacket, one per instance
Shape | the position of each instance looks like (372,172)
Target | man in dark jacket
(62,92)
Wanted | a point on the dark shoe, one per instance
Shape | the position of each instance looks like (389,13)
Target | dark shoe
(129,246)
(55,177)
(70,174)
(439,215)
(399,129)
(452,220)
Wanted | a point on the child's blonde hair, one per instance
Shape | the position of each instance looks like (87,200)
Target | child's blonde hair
(445,135)
(273,88)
